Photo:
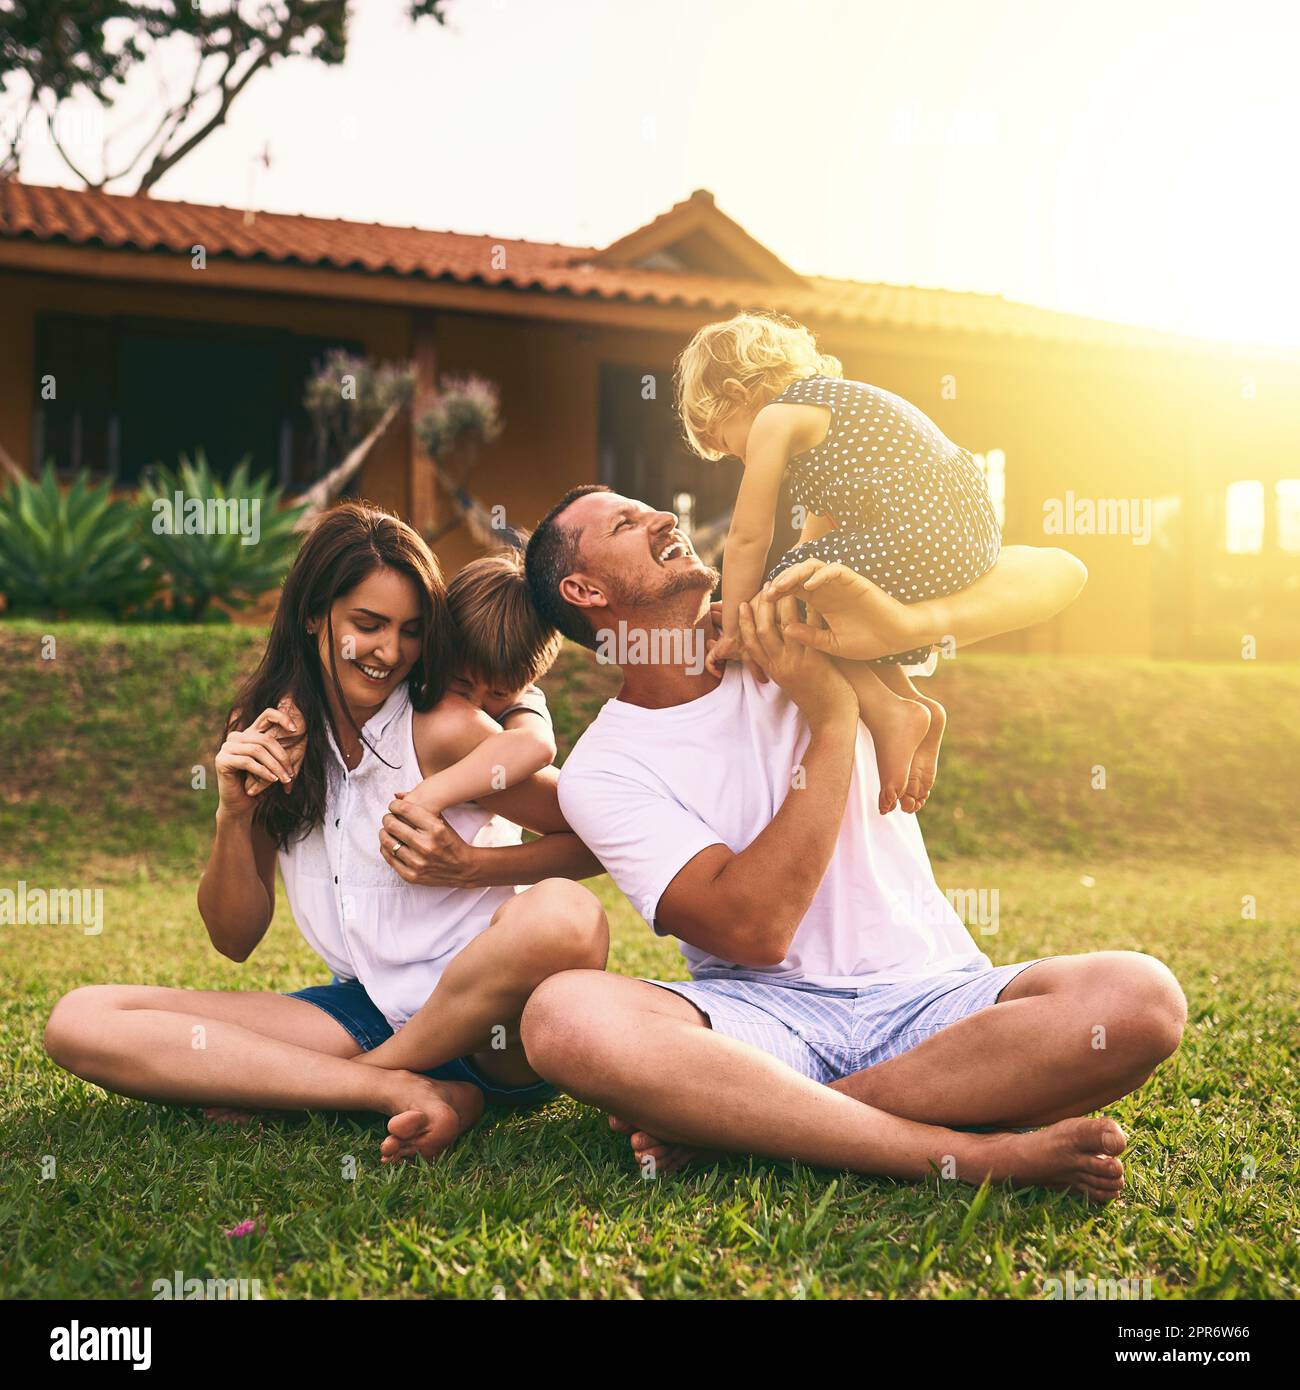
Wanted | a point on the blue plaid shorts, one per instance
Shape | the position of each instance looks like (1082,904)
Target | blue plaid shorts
(830,1033)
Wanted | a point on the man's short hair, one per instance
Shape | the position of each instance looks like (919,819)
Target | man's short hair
(552,555)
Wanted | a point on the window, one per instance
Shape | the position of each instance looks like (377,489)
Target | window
(1288,514)
(1244,517)
(117,395)
(994,467)
(684,506)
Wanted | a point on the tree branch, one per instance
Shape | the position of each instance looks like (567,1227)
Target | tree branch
(171,119)
(63,154)
(164,160)
(322,493)
(277,47)
(10,163)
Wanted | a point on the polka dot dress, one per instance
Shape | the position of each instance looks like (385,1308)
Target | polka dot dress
(911,508)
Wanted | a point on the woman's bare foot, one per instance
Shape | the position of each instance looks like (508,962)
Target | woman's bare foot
(427,1116)
(898,727)
(667,1158)
(925,761)
(1070,1156)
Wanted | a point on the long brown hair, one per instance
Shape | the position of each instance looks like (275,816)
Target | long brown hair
(348,544)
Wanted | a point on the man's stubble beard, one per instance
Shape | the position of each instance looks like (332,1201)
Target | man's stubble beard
(702,579)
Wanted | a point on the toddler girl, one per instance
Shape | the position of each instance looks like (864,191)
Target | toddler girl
(877,487)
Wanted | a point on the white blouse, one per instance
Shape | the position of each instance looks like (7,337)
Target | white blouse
(362,918)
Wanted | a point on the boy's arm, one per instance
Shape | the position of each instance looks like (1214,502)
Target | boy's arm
(480,757)
(436,855)
(502,760)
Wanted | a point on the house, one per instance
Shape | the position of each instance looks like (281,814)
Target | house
(136,329)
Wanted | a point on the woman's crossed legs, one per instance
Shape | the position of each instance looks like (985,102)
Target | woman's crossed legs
(269,1051)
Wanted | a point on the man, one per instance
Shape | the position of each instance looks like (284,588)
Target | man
(839,1013)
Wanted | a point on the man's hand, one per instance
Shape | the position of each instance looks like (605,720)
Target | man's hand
(810,679)
(421,847)
(862,621)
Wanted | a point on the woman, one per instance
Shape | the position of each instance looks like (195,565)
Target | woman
(347,710)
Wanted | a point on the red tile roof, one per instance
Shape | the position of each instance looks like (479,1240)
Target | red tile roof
(34,212)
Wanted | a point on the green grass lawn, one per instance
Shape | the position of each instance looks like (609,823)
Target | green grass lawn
(1198,816)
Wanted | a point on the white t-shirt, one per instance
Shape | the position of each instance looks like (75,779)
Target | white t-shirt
(358,914)
(648,789)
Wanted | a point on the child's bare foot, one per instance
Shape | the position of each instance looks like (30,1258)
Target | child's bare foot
(859,620)
(1070,1156)
(668,1158)
(925,761)
(427,1116)
(897,730)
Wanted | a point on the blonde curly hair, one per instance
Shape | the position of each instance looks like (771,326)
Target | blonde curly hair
(764,352)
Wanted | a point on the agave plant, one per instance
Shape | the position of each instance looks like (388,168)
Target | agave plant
(210,540)
(69,553)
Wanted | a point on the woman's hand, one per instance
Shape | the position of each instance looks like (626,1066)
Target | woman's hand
(421,847)
(861,621)
(292,739)
(257,757)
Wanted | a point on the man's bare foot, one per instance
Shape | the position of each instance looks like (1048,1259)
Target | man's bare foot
(1070,1156)
(240,1114)
(897,731)
(427,1116)
(925,761)
(229,1115)
(666,1157)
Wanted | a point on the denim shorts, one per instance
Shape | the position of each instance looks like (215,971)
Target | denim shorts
(830,1033)
(348,1004)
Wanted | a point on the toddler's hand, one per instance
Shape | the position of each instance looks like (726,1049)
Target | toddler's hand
(719,653)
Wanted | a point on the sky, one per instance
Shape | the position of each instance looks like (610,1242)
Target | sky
(1133,161)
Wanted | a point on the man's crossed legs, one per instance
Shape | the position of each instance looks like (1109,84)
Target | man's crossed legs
(1065,1037)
